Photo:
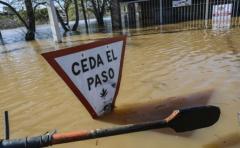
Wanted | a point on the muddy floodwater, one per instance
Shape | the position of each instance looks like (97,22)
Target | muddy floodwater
(161,72)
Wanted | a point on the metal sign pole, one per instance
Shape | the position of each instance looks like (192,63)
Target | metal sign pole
(54,22)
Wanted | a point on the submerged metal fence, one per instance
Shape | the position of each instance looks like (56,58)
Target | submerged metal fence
(176,15)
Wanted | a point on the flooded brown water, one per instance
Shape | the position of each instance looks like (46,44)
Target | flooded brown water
(161,72)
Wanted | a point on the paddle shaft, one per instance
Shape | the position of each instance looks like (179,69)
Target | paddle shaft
(180,120)
(53,139)
(97,133)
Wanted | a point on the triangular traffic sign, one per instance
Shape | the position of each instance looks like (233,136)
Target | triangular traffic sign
(92,71)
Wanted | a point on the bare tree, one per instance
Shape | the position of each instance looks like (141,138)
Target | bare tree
(30,23)
(62,9)
(75,26)
(98,7)
(115,15)
(15,12)
(38,3)
(84,15)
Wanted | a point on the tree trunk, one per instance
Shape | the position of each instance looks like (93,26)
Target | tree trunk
(75,26)
(115,15)
(84,15)
(98,13)
(100,20)
(30,35)
(61,21)
(67,17)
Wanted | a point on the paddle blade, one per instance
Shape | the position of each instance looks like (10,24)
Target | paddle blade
(194,118)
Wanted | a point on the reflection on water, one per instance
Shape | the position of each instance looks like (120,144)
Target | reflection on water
(156,109)
(44,31)
(161,72)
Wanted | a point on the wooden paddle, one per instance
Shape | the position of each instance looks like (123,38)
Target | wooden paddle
(180,120)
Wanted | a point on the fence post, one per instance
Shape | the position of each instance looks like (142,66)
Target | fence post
(161,12)
(123,14)
(137,15)
(206,14)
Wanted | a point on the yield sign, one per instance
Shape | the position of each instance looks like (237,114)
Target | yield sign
(92,71)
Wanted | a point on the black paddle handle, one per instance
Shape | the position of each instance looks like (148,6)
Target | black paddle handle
(28,142)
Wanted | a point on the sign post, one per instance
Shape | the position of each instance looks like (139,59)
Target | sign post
(92,71)
(54,22)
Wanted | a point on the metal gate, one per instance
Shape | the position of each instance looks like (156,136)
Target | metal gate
(177,15)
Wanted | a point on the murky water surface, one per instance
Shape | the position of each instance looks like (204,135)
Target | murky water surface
(161,72)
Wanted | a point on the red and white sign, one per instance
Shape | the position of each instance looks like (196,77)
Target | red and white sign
(221,16)
(92,71)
